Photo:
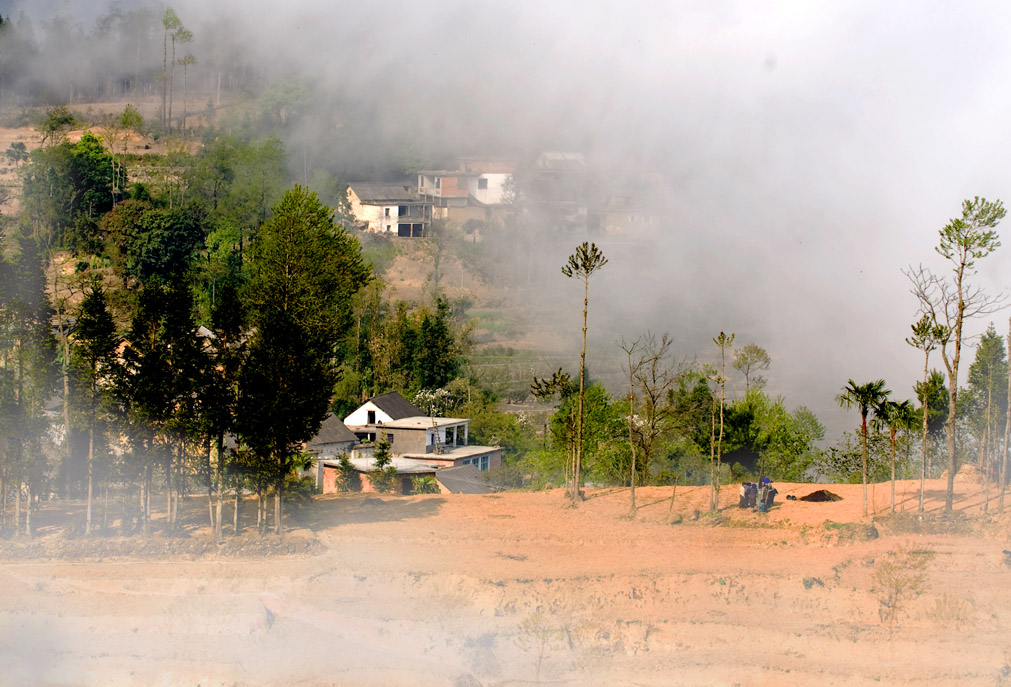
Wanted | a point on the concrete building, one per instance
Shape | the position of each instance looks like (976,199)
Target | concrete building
(393,209)
(420,445)
(442,441)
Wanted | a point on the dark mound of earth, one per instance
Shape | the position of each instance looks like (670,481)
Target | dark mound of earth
(821,495)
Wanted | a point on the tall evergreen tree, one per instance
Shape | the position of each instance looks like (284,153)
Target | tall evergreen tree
(304,273)
(985,403)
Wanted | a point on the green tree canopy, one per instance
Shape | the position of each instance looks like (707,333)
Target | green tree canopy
(304,273)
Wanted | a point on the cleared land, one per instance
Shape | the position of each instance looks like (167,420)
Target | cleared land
(468,590)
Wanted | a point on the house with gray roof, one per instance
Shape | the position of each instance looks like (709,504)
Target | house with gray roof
(394,209)
(420,445)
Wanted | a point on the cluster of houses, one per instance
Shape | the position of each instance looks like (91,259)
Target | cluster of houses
(558,185)
(421,445)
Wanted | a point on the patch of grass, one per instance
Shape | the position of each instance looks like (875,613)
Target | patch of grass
(851,531)
(749,524)
(928,523)
(494,321)
(951,611)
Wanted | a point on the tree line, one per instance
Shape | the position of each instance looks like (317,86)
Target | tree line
(973,421)
(191,328)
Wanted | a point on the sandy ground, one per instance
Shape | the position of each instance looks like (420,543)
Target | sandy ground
(477,590)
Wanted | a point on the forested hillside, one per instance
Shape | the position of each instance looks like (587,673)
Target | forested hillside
(184,299)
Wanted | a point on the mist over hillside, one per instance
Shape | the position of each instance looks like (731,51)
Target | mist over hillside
(806,153)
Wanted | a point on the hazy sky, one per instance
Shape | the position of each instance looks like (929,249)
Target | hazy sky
(814,149)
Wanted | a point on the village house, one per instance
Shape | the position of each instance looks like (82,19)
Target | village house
(471,192)
(420,444)
(488,180)
(393,209)
(333,440)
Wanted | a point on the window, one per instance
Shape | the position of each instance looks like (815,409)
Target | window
(372,417)
(484,462)
(438,182)
(482,184)
(387,212)
(389,439)
(402,210)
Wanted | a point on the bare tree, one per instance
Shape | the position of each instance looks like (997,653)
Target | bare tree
(582,264)
(951,300)
(651,375)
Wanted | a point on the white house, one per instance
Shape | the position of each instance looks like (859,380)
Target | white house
(440,441)
(392,209)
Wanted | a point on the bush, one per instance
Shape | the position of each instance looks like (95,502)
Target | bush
(298,491)
(424,484)
(384,477)
(900,579)
(384,480)
(348,479)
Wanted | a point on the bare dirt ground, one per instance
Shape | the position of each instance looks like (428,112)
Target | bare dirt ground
(512,589)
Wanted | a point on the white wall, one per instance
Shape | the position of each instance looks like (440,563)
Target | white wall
(496,188)
(361,415)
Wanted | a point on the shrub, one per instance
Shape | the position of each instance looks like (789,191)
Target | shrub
(424,484)
(298,491)
(900,579)
(539,635)
(384,477)
(348,479)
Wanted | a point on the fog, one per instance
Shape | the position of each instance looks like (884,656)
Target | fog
(810,151)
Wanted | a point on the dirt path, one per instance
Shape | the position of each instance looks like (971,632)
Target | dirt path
(465,590)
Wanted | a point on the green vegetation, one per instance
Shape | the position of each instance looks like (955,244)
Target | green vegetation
(184,318)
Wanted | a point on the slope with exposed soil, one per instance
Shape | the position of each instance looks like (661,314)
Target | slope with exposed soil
(444,590)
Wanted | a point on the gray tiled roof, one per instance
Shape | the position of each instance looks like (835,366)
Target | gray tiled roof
(463,479)
(332,431)
(396,406)
(374,193)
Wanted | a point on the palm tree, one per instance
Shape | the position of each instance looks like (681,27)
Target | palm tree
(864,397)
(893,415)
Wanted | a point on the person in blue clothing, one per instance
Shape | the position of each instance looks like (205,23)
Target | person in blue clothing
(766,495)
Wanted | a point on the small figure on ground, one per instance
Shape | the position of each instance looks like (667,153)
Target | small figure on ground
(745,491)
(766,496)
